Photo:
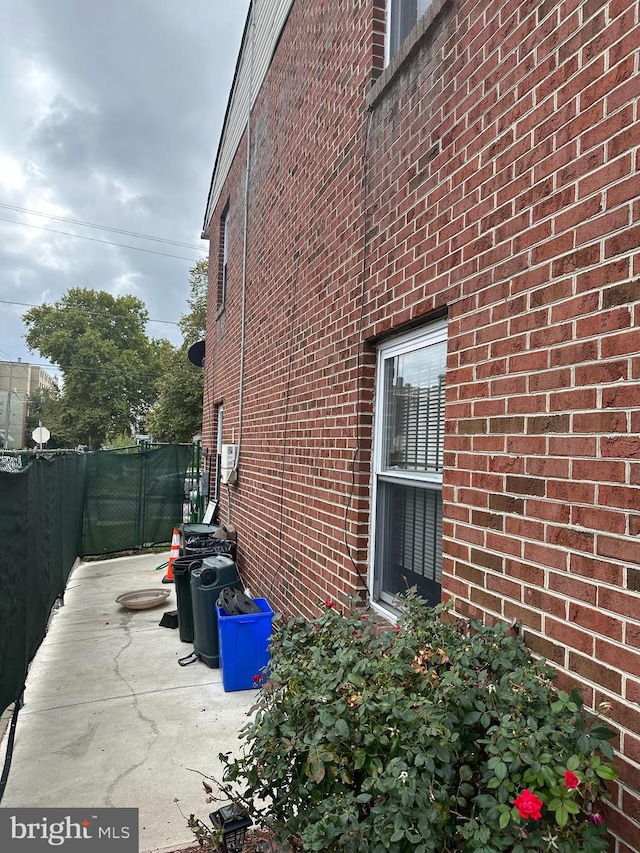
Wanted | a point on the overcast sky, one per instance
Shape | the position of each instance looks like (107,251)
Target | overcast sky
(110,113)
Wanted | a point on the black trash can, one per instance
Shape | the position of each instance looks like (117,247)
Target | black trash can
(182,567)
(207,582)
(214,538)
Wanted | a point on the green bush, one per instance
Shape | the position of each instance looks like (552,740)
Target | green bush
(438,735)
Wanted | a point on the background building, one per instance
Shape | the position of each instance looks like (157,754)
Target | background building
(18,381)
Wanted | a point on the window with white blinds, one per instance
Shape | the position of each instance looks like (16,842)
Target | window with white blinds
(408,458)
(414,410)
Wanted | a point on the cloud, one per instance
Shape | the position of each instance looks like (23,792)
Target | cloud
(111,115)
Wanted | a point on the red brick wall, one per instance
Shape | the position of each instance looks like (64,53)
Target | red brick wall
(496,173)
(303,282)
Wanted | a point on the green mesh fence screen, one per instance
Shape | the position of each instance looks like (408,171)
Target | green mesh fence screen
(40,525)
(55,509)
(133,498)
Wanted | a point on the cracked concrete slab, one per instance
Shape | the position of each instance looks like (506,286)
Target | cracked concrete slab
(110,717)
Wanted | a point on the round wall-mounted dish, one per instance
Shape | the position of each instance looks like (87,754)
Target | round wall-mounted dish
(142,599)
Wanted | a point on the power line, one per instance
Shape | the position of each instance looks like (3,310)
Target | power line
(97,240)
(102,227)
(100,371)
(89,313)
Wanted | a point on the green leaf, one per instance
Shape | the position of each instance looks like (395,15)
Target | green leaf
(607,750)
(601,732)
(484,801)
(471,718)
(573,762)
(505,818)
(483,834)
(359,759)
(364,798)
(584,744)
(562,816)
(548,775)
(606,772)
(500,770)
(341,728)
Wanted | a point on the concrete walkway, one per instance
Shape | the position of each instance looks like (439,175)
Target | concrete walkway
(111,719)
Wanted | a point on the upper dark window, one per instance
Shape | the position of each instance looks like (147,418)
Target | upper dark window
(222,256)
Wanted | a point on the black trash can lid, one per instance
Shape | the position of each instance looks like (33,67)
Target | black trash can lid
(207,577)
(244,604)
(197,529)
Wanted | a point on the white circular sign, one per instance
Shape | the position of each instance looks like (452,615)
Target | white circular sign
(41,435)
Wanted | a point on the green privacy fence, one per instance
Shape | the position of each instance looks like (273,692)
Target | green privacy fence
(133,498)
(40,525)
(67,505)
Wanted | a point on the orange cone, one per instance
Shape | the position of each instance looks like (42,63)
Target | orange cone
(175,552)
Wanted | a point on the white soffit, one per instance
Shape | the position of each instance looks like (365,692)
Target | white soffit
(270,18)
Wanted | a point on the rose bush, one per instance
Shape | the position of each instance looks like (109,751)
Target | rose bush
(437,736)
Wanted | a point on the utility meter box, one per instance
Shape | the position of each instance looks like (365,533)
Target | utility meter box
(229,463)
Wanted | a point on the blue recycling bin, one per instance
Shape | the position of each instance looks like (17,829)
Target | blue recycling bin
(243,643)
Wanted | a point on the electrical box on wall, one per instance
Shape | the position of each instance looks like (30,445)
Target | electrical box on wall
(229,463)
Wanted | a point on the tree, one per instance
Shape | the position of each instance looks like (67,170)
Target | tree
(177,416)
(193,324)
(100,345)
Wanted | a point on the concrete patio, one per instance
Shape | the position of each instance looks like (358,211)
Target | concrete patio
(110,717)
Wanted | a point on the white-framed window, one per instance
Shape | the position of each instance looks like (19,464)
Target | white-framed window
(402,16)
(408,460)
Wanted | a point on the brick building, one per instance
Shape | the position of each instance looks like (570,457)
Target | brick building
(423,321)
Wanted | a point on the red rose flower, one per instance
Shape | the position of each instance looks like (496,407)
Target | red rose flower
(528,805)
(329,603)
(571,780)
